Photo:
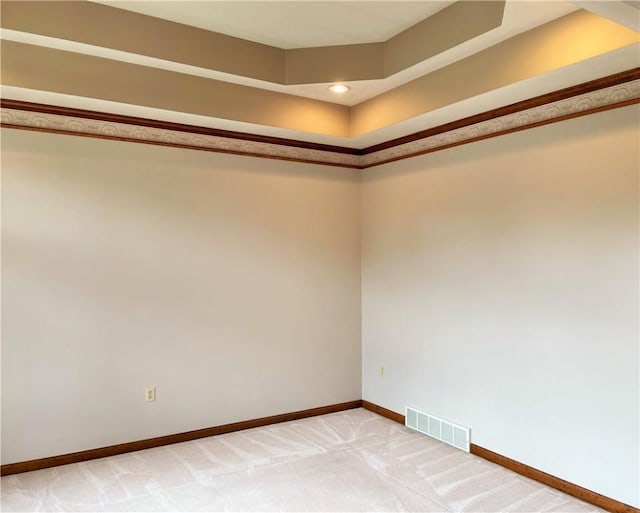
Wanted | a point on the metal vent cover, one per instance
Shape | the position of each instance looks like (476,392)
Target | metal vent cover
(438,428)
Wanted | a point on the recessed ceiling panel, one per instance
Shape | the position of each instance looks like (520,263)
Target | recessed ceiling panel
(293,24)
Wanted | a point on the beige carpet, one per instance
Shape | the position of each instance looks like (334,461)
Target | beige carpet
(348,461)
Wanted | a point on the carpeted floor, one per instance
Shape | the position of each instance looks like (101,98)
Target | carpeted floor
(348,461)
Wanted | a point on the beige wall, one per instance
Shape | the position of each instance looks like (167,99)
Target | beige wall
(500,291)
(231,284)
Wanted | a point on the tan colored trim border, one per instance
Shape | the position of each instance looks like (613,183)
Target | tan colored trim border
(112,450)
(42,68)
(118,29)
(606,93)
(522,57)
(453,25)
(574,490)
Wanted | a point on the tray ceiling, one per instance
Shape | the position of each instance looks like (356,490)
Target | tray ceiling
(293,24)
(409,68)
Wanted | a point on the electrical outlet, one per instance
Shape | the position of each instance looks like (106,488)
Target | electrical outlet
(150,394)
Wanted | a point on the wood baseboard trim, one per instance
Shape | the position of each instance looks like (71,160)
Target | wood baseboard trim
(574,490)
(554,482)
(391,415)
(112,450)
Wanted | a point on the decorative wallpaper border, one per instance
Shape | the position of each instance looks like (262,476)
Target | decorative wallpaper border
(68,124)
(29,116)
(583,104)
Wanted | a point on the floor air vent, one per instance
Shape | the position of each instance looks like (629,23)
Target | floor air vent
(438,428)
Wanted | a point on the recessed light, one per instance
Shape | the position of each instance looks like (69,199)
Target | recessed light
(339,88)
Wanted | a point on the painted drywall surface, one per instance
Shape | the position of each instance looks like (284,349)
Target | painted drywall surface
(231,284)
(500,291)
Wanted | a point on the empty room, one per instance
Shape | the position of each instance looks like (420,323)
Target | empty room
(320,256)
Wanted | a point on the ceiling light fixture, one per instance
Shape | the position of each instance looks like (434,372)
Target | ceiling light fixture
(339,88)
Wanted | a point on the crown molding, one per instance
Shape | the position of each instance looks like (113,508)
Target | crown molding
(609,92)
(588,98)
(42,108)
(535,101)
(69,121)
